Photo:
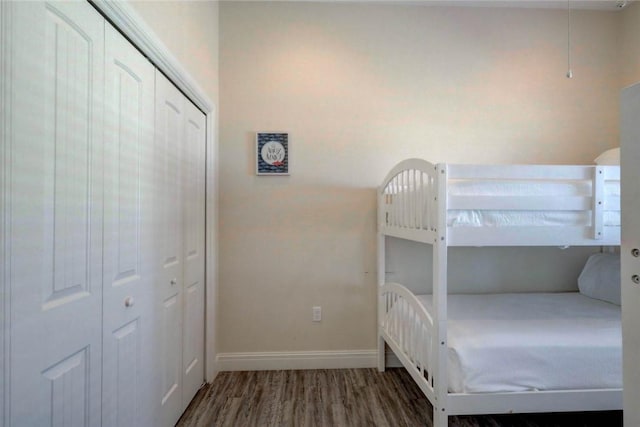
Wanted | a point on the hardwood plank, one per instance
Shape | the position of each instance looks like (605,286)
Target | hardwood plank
(344,397)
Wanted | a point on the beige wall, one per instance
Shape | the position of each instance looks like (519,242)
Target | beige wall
(190,31)
(631,45)
(359,87)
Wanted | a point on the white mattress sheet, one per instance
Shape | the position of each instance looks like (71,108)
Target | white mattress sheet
(487,218)
(551,188)
(522,218)
(525,342)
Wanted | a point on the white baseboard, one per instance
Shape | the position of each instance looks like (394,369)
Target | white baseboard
(264,361)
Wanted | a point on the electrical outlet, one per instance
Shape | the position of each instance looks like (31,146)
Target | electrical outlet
(317,314)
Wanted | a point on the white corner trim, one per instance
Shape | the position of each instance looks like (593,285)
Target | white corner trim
(127,20)
(211,249)
(5,111)
(265,361)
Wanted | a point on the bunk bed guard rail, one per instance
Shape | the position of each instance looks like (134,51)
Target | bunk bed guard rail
(408,201)
(409,207)
(408,329)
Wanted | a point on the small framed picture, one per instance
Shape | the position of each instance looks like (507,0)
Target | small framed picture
(272,153)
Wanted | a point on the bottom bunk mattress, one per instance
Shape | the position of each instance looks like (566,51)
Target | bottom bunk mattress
(526,342)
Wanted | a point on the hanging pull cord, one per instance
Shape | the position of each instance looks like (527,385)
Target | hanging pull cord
(569,72)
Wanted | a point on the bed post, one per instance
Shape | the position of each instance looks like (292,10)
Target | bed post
(381,277)
(598,203)
(440,408)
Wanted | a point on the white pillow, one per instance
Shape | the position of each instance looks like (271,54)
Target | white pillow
(609,158)
(600,278)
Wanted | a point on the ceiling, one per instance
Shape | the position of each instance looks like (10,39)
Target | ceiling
(611,5)
(603,5)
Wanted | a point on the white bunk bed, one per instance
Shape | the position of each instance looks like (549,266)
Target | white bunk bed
(448,205)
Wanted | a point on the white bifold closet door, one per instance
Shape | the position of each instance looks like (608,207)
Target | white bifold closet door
(193,252)
(129,246)
(103,203)
(179,159)
(630,259)
(55,214)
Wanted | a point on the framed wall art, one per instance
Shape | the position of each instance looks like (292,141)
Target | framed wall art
(272,153)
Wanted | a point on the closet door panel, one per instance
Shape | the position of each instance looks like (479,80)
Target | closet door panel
(169,140)
(55,214)
(194,228)
(630,262)
(128,347)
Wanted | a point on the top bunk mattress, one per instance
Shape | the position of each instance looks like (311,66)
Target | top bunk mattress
(528,342)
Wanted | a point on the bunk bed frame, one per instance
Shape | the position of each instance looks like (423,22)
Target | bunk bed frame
(413,204)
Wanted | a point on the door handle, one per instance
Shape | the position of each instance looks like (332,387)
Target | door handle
(129,301)
(174,282)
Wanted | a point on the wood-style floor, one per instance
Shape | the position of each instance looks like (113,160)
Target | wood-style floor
(344,397)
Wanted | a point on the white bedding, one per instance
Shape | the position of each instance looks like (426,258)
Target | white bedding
(486,218)
(524,342)
(498,188)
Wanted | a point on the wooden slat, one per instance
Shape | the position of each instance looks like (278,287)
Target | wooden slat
(530,236)
(611,173)
(612,203)
(521,172)
(520,203)
(417,235)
